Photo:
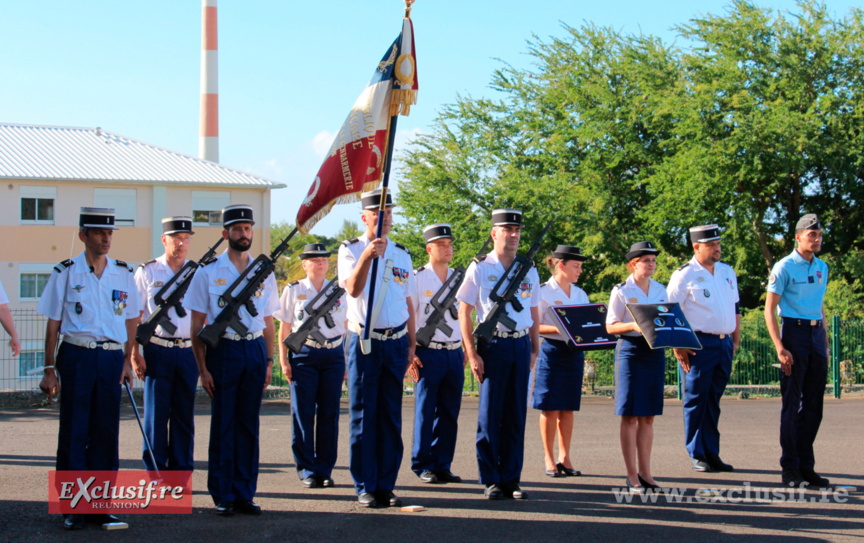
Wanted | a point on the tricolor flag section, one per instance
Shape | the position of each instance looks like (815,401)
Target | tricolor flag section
(358,156)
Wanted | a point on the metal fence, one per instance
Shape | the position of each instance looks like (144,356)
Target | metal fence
(753,368)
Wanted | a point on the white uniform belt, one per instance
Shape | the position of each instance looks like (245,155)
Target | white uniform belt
(516,334)
(238,337)
(332,344)
(173,342)
(107,345)
(380,334)
(449,345)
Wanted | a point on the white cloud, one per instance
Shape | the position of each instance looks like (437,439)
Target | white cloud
(322,142)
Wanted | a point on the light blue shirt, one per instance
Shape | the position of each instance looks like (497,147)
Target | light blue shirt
(800,285)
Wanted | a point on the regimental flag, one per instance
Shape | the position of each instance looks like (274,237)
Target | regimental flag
(357,157)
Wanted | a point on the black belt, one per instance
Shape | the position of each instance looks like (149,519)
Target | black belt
(804,323)
(718,336)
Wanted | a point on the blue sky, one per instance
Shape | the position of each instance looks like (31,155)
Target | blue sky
(289,71)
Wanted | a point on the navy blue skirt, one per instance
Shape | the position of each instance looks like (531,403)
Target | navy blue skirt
(558,379)
(640,373)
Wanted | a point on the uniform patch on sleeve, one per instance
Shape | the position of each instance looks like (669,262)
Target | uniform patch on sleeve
(772,279)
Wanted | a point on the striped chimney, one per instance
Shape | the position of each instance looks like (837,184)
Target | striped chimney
(208,143)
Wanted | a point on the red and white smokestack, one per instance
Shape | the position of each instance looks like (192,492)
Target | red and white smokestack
(208,144)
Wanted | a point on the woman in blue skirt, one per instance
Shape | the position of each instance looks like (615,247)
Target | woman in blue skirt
(315,373)
(639,370)
(558,381)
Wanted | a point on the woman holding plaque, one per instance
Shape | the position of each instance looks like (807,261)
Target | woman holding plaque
(558,381)
(639,370)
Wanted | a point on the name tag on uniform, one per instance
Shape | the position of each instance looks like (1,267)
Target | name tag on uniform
(158,284)
(811,279)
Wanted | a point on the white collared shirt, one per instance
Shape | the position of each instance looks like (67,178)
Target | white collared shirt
(629,292)
(212,280)
(150,278)
(551,294)
(708,300)
(428,284)
(297,295)
(88,307)
(482,277)
(394,312)
(3,298)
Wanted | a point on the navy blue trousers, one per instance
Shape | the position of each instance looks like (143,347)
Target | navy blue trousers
(803,394)
(239,369)
(503,407)
(316,387)
(89,408)
(709,373)
(169,407)
(437,400)
(375,387)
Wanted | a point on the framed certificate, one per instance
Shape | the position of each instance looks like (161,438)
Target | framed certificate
(663,325)
(584,326)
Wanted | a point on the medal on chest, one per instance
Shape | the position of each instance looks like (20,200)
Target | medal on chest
(118,298)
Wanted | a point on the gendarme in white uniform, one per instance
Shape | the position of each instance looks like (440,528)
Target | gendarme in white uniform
(482,277)
(551,295)
(150,278)
(212,280)
(394,312)
(296,296)
(91,308)
(708,300)
(428,284)
(629,292)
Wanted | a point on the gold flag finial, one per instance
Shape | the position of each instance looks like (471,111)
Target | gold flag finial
(408,8)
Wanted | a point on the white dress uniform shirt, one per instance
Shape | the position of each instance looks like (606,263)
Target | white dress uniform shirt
(394,312)
(3,298)
(708,300)
(150,278)
(551,295)
(629,292)
(91,308)
(292,308)
(482,277)
(428,284)
(212,280)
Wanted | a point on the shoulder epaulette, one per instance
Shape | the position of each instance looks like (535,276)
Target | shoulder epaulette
(212,260)
(418,270)
(544,284)
(621,284)
(125,265)
(481,258)
(682,266)
(141,265)
(63,265)
(401,246)
(350,241)
(293,283)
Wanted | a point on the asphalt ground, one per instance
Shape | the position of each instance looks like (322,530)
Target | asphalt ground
(580,508)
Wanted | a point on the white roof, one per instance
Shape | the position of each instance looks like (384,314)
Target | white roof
(59,153)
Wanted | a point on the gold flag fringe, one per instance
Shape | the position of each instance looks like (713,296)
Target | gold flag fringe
(401,101)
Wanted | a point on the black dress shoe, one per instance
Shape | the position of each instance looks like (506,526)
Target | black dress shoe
(700,463)
(813,478)
(554,473)
(646,485)
(717,464)
(327,482)
(428,477)
(247,507)
(225,509)
(311,482)
(567,472)
(793,478)
(73,522)
(367,499)
(512,490)
(447,476)
(493,492)
(386,497)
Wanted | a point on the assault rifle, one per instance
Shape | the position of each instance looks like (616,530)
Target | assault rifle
(310,327)
(182,279)
(520,267)
(251,278)
(436,319)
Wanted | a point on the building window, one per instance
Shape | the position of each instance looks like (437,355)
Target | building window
(207,207)
(32,285)
(37,205)
(122,201)
(30,360)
